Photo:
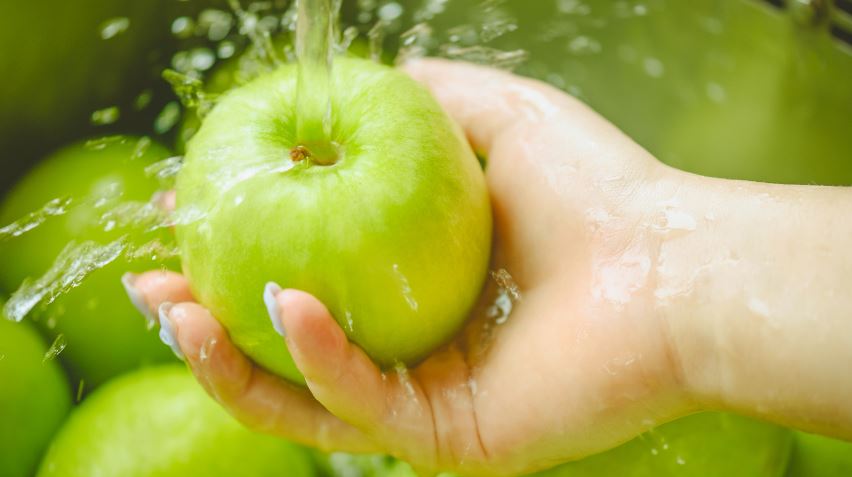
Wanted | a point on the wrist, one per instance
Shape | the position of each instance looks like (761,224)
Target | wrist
(684,216)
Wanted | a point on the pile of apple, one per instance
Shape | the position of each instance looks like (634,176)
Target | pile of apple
(396,228)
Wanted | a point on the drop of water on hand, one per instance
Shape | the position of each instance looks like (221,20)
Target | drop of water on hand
(207,348)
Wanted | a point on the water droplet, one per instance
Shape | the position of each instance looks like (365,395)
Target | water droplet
(141,147)
(405,287)
(207,348)
(405,380)
(390,11)
(486,55)
(56,347)
(675,220)
(653,67)
(508,293)
(376,36)
(680,460)
(182,27)
(347,38)
(218,23)
(715,92)
(758,307)
(143,100)
(350,324)
(429,10)
(573,7)
(105,116)
(201,59)
(414,42)
(584,45)
(167,118)
(114,26)
(226,49)
(166,169)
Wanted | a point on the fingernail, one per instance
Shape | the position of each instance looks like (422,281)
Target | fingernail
(269,291)
(167,331)
(128,280)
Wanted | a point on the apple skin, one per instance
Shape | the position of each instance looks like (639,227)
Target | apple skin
(394,238)
(708,444)
(815,455)
(105,335)
(34,398)
(158,422)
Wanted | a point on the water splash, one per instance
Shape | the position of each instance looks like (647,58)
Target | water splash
(166,169)
(72,266)
(486,55)
(414,43)
(189,90)
(58,345)
(258,32)
(53,208)
(154,250)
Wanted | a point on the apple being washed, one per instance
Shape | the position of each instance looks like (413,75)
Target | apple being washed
(392,233)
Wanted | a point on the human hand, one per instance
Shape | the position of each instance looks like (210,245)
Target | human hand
(583,362)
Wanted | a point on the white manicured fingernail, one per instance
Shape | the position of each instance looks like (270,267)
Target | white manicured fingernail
(167,331)
(128,280)
(269,291)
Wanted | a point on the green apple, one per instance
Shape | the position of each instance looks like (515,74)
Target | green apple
(63,60)
(815,455)
(34,398)
(158,422)
(105,335)
(394,236)
(705,444)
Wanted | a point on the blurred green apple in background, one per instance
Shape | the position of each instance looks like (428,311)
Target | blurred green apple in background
(105,335)
(63,60)
(34,398)
(815,455)
(394,236)
(708,444)
(158,422)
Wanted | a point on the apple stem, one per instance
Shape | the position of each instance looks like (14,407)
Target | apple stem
(321,153)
